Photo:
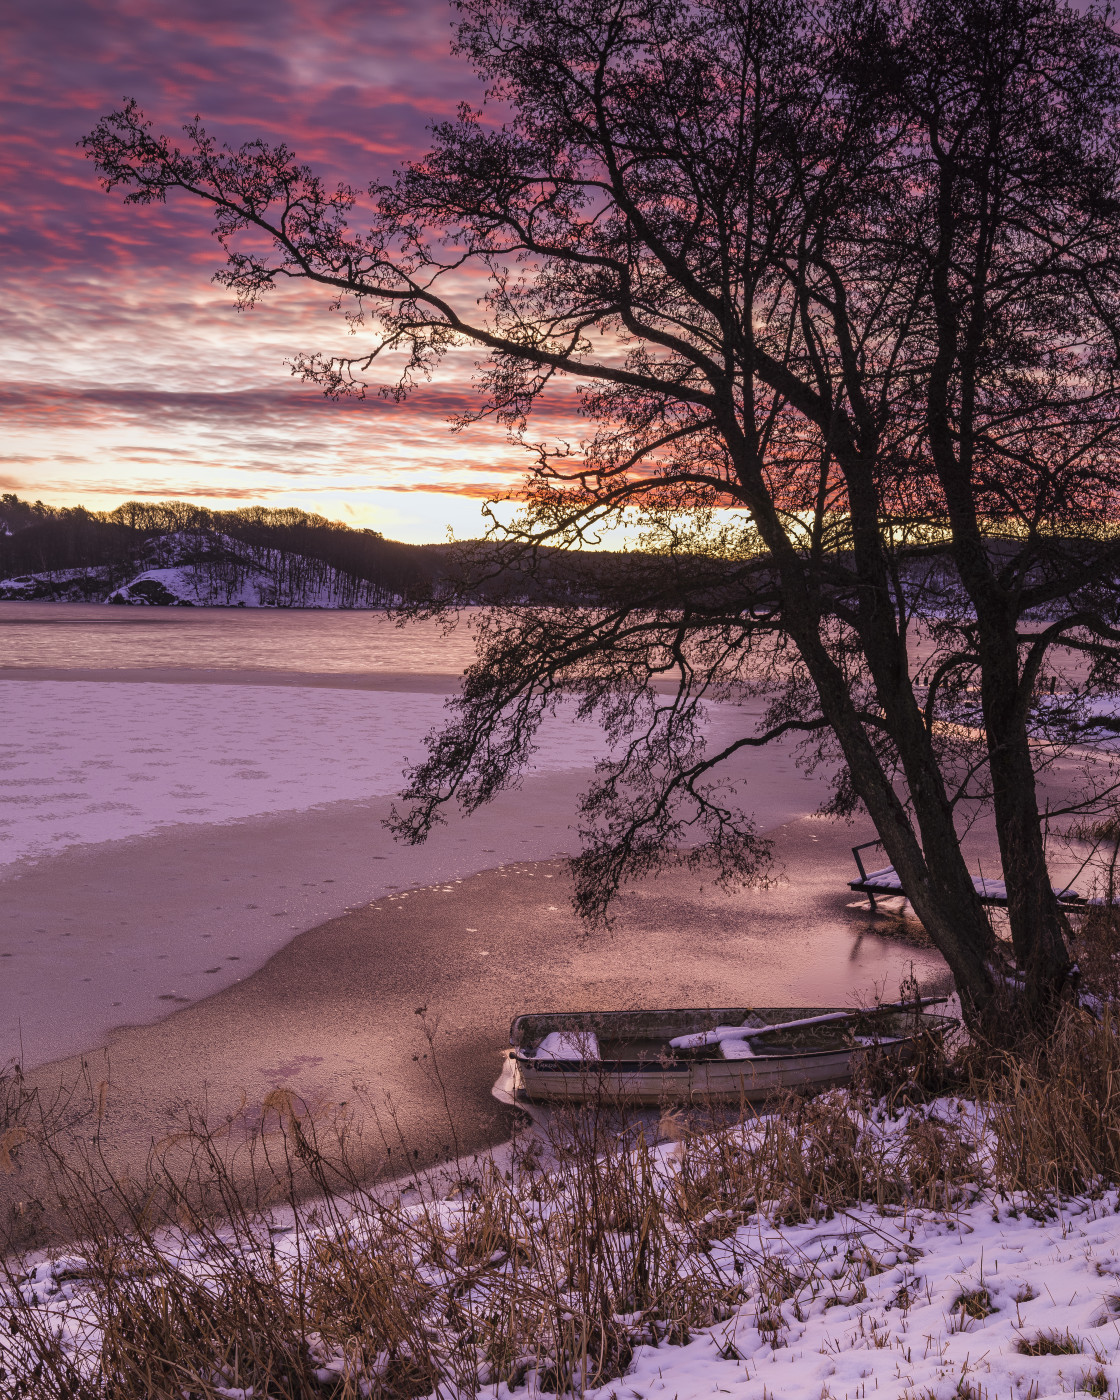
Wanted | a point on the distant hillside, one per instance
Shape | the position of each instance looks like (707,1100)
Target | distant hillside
(175,554)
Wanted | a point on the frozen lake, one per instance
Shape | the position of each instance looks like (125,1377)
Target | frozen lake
(117,721)
(185,793)
(96,636)
(87,761)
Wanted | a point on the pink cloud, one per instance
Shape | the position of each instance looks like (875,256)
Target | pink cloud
(106,312)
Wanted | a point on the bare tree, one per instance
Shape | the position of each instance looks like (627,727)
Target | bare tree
(850,267)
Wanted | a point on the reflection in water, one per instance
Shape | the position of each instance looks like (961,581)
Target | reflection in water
(79,636)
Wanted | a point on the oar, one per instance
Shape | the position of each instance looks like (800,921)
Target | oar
(696,1039)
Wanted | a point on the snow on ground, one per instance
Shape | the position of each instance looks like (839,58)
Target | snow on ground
(912,1302)
(1053,1278)
(878,1303)
(93,761)
(874,1302)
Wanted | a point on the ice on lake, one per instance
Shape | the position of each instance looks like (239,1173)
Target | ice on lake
(94,761)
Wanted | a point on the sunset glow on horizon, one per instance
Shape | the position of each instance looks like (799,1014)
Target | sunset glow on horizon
(126,372)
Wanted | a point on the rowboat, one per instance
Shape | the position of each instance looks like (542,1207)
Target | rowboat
(747,1054)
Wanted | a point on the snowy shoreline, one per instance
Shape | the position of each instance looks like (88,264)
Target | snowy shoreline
(991,1294)
(910,1335)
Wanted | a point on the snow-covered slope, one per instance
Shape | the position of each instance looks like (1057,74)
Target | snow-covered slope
(189,586)
(187,569)
(58,585)
(901,1329)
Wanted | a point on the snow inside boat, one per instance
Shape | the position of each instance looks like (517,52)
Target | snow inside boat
(726,1053)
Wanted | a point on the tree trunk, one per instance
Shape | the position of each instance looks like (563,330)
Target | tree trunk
(933,872)
(1037,923)
(936,879)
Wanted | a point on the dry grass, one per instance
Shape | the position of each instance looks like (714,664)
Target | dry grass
(1049,1344)
(1106,828)
(31,1122)
(1098,947)
(212,1273)
(192,1283)
(1055,1113)
(812,1157)
(976,1304)
(190,1287)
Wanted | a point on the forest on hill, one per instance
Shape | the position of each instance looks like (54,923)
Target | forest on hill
(176,553)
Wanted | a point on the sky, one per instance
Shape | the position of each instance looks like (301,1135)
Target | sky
(124,372)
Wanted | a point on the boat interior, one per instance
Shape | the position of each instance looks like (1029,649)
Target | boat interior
(644,1037)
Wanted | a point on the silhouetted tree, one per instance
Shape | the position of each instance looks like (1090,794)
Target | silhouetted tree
(850,267)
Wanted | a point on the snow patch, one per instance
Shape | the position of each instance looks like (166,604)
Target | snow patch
(569,1045)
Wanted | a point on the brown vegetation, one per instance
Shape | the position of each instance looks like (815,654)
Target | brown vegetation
(594,1237)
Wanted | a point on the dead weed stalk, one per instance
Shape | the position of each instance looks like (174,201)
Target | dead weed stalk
(288,1269)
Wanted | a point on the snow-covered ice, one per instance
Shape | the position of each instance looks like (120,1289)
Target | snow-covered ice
(92,761)
(252,813)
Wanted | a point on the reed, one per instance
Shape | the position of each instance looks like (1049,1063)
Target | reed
(276,1257)
(1054,1112)
(191,1286)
